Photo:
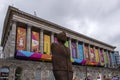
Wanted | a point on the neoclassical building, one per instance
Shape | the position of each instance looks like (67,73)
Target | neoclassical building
(26,41)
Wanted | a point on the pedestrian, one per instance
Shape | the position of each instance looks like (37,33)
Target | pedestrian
(62,65)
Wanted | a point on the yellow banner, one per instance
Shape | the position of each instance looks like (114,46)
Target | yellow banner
(97,55)
(105,57)
(47,44)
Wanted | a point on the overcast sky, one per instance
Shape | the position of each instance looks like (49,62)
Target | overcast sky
(99,19)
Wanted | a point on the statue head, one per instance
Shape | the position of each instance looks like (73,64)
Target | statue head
(62,37)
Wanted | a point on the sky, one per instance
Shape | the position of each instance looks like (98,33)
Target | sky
(98,19)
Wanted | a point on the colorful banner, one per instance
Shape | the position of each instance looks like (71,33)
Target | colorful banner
(35,41)
(21,39)
(81,53)
(33,55)
(74,50)
(80,49)
(105,57)
(55,40)
(92,54)
(97,55)
(47,44)
(86,52)
(101,57)
(66,44)
(80,59)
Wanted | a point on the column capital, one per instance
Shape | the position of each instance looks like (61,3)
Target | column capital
(52,33)
(52,37)
(70,38)
(77,41)
(13,20)
(29,25)
(83,43)
(89,45)
(41,29)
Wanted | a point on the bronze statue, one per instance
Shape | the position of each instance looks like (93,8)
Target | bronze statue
(62,66)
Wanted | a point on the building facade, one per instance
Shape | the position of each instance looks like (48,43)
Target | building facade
(26,41)
(117,56)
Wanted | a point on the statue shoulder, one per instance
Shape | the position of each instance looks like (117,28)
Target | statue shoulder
(54,44)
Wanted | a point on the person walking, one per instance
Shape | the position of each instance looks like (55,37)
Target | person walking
(62,65)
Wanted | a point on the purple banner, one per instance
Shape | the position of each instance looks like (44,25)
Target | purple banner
(74,50)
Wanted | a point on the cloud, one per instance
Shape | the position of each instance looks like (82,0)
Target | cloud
(3,9)
(98,19)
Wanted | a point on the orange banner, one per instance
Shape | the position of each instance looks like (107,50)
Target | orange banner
(21,38)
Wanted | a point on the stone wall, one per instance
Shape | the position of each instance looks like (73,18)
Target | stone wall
(9,48)
(32,70)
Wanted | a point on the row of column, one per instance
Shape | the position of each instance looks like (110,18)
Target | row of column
(52,40)
(41,40)
(41,37)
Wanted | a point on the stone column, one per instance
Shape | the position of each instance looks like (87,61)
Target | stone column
(12,39)
(29,37)
(41,40)
(52,37)
(70,47)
